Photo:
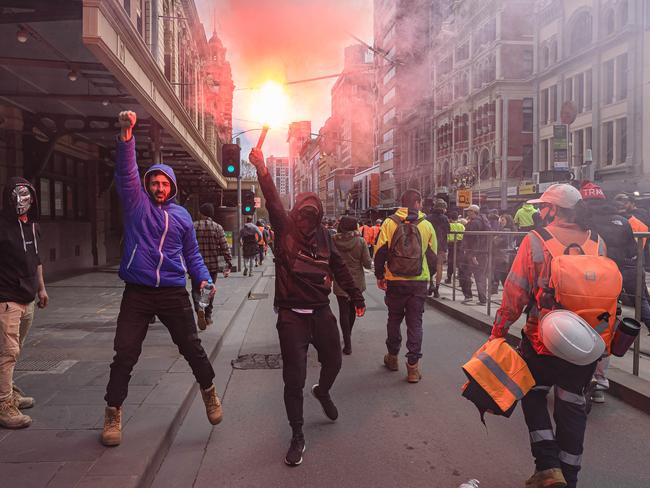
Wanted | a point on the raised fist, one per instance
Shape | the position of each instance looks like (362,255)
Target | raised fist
(256,157)
(126,121)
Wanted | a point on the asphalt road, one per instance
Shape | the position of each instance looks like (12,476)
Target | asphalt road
(389,433)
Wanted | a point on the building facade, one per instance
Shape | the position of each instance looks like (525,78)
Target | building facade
(279,169)
(299,133)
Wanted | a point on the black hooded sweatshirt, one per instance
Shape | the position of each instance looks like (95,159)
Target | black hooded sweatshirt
(19,257)
(305,264)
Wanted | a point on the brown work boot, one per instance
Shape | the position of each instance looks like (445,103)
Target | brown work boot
(549,478)
(10,416)
(413,371)
(212,405)
(21,401)
(390,361)
(112,434)
(201,319)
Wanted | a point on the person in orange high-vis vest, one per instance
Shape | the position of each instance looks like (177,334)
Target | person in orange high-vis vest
(557,453)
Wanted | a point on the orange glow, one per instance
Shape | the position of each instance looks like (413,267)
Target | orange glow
(270,105)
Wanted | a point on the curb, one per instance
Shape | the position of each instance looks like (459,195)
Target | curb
(628,388)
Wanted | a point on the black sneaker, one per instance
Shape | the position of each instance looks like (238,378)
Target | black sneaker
(436,293)
(294,454)
(329,409)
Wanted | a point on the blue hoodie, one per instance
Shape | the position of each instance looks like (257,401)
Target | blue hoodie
(160,244)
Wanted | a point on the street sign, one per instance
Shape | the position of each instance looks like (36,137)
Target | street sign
(258,202)
(560,146)
(464,197)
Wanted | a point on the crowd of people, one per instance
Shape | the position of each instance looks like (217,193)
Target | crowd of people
(313,257)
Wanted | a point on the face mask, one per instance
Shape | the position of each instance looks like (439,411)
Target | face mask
(21,197)
(547,214)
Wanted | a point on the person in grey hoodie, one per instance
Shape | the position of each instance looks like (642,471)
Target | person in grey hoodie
(354,251)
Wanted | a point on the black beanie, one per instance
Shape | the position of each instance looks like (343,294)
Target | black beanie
(347,223)
(207,209)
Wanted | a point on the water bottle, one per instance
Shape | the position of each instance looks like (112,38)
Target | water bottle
(204,301)
(470,484)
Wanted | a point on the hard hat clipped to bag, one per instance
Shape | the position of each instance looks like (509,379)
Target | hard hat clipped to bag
(569,337)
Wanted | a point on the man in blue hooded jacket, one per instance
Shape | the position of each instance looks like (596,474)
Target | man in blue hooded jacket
(160,247)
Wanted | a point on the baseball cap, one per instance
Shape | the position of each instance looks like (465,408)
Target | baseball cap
(591,191)
(473,208)
(559,194)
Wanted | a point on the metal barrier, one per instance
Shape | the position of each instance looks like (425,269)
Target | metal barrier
(640,288)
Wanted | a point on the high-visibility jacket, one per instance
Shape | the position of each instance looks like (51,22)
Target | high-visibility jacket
(638,226)
(498,378)
(455,227)
(529,273)
(370,234)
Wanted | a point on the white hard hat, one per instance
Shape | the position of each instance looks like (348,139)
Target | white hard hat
(569,337)
(560,194)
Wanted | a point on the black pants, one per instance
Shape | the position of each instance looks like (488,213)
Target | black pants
(173,308)
(562,448)
(405,302)
(296,331)
(450,261)
(347,316)
(469,269)
(196,296)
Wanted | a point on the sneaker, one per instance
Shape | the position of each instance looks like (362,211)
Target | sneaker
(200,316)
(430,291)
(413,372)
(22,401)
(598,396)
(245,271)
(390,361)
(549,478)
(212,405)
(294,454)
(329,409)
(468,301)
(436,292)
(10,416)
(347,350)
(483,303)
(112,433)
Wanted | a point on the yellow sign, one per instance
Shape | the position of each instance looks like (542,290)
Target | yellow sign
(464,198)
(526,189)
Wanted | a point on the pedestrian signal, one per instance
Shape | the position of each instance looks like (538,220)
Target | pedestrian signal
(230,160)
(247,203)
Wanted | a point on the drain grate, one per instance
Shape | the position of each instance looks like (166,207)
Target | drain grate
(52,366)
(258,361)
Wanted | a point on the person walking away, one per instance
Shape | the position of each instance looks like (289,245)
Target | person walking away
(270,234)
(502,250)
(261,243)
(250,237)
(306,262)
(212,244)
(456,229)
(404,258)
(161,248)
(440,224)
(368,234)
(355,254)
(557,453)
(474,256)
(21,281)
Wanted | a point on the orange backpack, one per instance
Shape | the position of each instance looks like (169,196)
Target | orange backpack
(586,282)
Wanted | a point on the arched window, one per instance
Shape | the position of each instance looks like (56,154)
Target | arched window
(581,32)
(546,53)
(622,13)
(609,22)
(488,167)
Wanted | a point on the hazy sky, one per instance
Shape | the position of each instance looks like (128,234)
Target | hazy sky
(285,40)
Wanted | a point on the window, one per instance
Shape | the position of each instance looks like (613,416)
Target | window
(388,136)
(390,74)
(544,107)
(44,197)
(580,92)
(568,89)
(588,91)
(587,139)
(389,95)
(388,116)
(58,199)
(553,102)
(609,22)
(621,140)
(622,13)
(608,143)
(578,148)
(387,156)
(69,202)
(546,52)
(390,34)
(543,163)
(608,81)
(621,77)
(580,32)
(462,52)
(527,161)
(527,109)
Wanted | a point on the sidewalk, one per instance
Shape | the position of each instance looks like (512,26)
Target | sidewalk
(65,366)
(632,389)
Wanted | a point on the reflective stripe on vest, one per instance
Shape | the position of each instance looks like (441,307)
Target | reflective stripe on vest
(501,375)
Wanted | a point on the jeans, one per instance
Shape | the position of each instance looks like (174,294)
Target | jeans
(562,448)
(260,254)
(629,287)
(470,269)
(347,316)
(173,308)
(405,301)
(249,262)
(196,296)
(296,331)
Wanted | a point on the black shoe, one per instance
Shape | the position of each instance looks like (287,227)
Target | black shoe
(347,350)
(329,409)
(436,293)
(294,454)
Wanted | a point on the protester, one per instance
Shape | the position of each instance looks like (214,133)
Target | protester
(21,281)
(441,226)
(212,244)
(493,219)
(557,454)
(161,247)
(474,256)
(271,235)
(262,243)
(402,269)
(354,252)
(630,209)
(456,228)
(306,262)
(250,237)
(370,235)
(524,217)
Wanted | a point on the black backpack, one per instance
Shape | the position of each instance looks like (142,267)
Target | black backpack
(405,250)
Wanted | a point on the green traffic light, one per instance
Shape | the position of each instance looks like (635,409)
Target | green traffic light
(247,208)
(231,168)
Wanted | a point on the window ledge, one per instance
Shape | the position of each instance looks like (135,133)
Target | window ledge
(614,169)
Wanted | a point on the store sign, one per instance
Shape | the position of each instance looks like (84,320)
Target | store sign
(560,146)
(526,189)
(512,191)
(464,198)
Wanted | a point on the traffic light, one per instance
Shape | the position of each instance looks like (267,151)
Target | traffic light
(247,203)
(230,160)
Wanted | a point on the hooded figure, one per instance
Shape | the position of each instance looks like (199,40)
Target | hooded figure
(19,258)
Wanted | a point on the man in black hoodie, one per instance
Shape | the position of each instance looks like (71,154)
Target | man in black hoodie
(305,263)
(21,280)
